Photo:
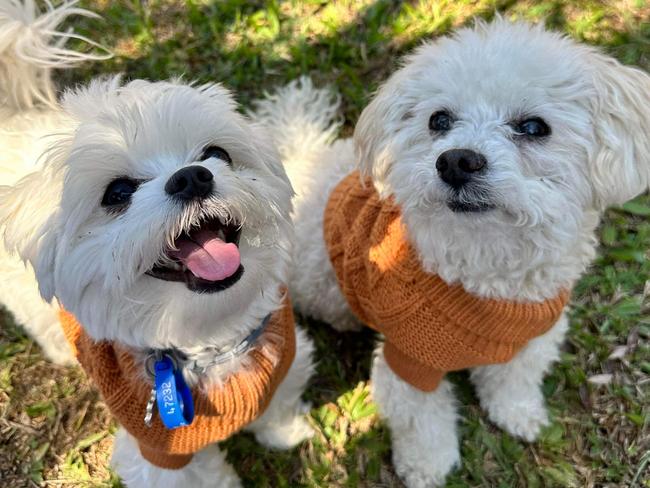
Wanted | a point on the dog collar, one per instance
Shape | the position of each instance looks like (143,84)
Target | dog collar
(212,356)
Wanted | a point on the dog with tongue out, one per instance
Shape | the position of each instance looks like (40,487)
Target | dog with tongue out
(207,256)
(155,227)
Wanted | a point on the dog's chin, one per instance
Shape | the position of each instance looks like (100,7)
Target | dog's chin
(470,199)
(175,269)
(464,207)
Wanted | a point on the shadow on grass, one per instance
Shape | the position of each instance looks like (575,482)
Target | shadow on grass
(343,360)
(253,46)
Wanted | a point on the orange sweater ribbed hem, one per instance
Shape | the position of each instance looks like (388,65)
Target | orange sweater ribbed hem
(219,411)
(430,327)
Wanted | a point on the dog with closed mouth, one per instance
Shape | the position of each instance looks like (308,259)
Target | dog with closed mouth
(459,216)
(146,226)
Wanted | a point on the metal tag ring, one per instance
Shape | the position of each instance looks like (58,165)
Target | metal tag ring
(157,355)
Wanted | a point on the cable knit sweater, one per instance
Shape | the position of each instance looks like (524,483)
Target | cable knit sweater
(219,412)
(430,327)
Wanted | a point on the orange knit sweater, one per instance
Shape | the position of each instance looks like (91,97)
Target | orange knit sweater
(430,327)
(219,412)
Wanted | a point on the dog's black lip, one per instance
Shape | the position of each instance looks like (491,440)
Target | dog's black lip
(194,283)
(232,234)
(466,207)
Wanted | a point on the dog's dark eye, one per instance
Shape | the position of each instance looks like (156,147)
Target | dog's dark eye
(215,152)
(533,127)
(441,121)
(118,193)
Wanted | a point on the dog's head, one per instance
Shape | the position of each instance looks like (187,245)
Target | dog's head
(164,211)
(508,126)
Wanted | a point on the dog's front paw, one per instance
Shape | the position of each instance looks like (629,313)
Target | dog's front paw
(522,417)
(207,469)
(422,467)
(285,435)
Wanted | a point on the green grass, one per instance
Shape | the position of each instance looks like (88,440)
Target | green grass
(55,430)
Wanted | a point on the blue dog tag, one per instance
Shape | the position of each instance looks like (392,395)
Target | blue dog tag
(173,396)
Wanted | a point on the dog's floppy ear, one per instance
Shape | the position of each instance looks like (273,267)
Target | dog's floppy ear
(378,122)
(28,223)
(620,166)
(267,151)
(44,266)
(268,155)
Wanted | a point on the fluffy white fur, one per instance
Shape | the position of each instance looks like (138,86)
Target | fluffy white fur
(56,161)
(27,100)
(547,195)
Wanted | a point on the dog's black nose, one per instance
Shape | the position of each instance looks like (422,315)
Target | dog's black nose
(457,166)
(190,182)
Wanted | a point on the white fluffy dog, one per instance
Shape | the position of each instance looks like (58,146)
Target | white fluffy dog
(561,132)
(103,195)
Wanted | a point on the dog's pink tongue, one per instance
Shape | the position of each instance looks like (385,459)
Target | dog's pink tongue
(207,256)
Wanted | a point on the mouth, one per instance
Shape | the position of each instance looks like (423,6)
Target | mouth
(206,258)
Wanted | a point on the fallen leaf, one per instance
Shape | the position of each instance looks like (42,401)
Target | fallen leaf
(618,353)
(600,379)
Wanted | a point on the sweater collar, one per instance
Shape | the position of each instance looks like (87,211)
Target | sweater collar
(381,273)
